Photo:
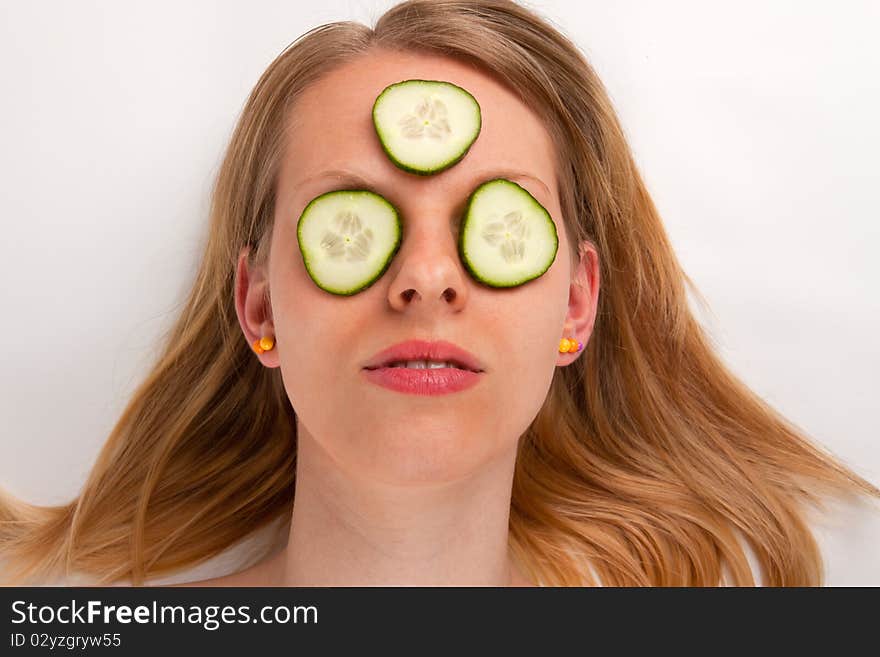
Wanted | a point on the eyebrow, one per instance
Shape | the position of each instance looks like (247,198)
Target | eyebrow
(352,178)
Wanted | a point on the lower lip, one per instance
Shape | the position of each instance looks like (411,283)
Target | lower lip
(439,381)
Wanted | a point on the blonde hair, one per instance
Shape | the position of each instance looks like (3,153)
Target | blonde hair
(646,465)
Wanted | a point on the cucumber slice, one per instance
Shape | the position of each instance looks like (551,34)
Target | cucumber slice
(347,239)
(426,126)
(507,237)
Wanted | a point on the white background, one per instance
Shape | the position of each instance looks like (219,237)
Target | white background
(755,126)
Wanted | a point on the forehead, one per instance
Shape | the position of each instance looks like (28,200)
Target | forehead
(331,124)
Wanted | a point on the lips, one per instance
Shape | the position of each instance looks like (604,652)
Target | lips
(424,350)
(441,381)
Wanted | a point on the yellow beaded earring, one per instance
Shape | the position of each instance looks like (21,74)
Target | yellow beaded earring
(570,346)
(263,344)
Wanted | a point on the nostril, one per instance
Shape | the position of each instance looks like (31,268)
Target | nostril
(449,294)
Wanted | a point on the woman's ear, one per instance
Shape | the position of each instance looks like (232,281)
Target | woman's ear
(583,298)
(252,305)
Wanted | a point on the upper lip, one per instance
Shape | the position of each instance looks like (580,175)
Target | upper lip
(423,350)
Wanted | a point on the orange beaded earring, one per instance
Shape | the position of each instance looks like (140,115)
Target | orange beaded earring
(570,346)
(263,344)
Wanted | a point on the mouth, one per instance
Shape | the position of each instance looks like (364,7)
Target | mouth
(422,354)
(423,381)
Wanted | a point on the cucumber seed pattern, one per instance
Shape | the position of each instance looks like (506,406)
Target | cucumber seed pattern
(430,117)
(511,233)
(349,240)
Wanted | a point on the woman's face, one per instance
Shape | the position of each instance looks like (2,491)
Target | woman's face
(323,341)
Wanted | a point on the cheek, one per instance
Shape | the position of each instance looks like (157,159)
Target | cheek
(527,324)
(527,364)
(526,352)
(316,346)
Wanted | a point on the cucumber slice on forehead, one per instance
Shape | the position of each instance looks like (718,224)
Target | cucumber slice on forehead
(507,237)
(348,239)
(426,126)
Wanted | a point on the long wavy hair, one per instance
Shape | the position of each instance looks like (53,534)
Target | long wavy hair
(649,462)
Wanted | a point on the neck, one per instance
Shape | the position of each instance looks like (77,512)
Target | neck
(350,531)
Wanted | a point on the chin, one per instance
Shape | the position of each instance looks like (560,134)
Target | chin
(427,457)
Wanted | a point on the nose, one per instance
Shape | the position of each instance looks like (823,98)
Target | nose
(429,272)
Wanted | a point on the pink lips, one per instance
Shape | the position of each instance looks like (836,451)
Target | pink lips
(439,381)
(430,381)
(439,350)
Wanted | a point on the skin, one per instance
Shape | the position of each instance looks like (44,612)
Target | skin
(391,488)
